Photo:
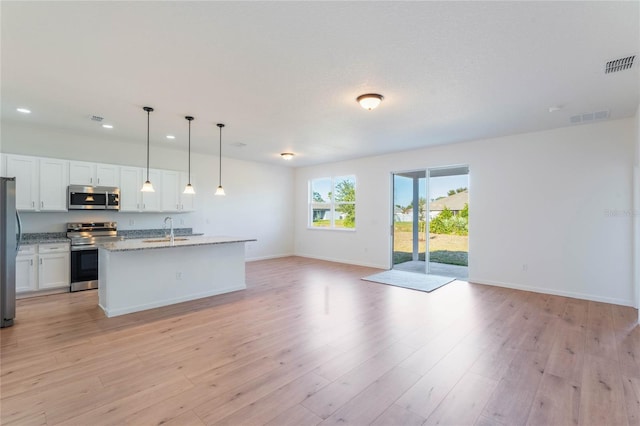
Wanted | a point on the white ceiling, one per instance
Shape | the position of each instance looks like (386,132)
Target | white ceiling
(283,76)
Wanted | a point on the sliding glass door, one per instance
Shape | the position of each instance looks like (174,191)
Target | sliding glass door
(430,232)
(409,233)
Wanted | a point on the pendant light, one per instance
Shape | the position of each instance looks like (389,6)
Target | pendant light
(220,190)
(189,188)
(147,187)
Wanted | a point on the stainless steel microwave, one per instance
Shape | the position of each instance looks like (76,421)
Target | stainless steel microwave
(93,198)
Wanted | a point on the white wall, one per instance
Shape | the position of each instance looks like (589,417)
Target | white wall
(552,200)
(636,213)
(258,204)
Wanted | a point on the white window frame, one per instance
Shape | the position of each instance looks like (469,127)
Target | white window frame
(333,204)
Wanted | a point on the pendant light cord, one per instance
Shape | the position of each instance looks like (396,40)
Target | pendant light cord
(148,113)
(189,152)
(220,160)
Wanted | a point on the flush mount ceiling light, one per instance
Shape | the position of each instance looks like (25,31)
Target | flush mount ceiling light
(107,126)
(220,190)
(23,110)
(147,187)
(170,137)
(189,188)
(370,100)
(287,155)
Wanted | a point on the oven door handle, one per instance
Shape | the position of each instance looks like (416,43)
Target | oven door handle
(83,248)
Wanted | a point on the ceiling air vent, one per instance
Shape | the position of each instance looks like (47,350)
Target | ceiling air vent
(96,118)
(589,117)
(619,64)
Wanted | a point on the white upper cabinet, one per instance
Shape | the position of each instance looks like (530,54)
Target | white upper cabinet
(54,178)
(130,184)
(81,173)
(93,174)
(151,201)
(41,183)
(187,201)
(107,175)
(169,188)
(25,170)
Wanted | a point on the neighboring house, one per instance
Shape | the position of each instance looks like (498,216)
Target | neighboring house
(400,216)
(454,202)
(322,211)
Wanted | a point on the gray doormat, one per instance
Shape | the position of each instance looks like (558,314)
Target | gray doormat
(411,280)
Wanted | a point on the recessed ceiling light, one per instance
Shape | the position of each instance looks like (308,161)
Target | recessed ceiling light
(107,126)
(287,155)
(23,110)
(170,137)
(554,108)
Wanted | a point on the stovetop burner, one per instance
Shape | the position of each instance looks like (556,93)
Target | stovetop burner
(92,233)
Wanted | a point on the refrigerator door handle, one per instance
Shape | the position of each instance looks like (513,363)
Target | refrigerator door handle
(19,242)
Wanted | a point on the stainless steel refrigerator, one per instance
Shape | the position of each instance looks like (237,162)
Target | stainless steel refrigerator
(10,236)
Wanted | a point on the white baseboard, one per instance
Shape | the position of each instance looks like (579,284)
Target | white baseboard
(346,261)
(273,256)
(170,301)
(574,295)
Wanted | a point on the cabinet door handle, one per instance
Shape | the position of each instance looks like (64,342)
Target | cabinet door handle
(33,204)
(31,262)
(144,206)
(41,261)
(177,206)
(98,180)
(42,204)
(90,180)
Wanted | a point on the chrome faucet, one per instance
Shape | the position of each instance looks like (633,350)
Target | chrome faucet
(171,235)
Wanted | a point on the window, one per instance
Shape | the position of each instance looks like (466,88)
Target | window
(332,202)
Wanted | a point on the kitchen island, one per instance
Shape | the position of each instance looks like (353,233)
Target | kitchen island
(140,274)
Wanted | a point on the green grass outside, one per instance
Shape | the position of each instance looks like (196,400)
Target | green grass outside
(438,256)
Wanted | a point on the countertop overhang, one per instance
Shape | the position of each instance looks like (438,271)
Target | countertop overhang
(186,241)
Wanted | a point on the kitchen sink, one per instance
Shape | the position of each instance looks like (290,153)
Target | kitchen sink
(164,240)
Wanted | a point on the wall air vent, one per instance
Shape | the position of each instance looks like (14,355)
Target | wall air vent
(96,118)
(589,117)
(619,64)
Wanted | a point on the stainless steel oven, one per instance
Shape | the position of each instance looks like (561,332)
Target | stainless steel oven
(85,239)
(84,267)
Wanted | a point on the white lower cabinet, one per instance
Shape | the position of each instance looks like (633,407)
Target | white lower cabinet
(26,260)
(53,267)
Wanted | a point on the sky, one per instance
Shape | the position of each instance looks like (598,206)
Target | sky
(438,187)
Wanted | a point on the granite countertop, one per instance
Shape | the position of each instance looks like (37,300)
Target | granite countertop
(44,238)
(189,241)
(61,237)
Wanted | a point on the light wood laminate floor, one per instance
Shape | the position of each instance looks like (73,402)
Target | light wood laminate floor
(309,343)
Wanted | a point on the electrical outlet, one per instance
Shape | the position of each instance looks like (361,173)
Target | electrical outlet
(131,221)
(178,275)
